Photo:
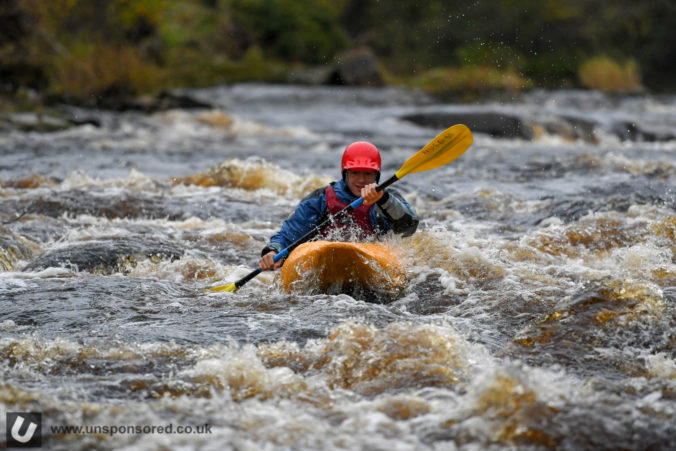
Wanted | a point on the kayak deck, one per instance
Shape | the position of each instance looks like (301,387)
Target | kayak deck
(342,267)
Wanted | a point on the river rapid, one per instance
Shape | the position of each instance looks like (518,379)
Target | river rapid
(539,310)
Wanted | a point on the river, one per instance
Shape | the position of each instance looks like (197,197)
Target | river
(539,310)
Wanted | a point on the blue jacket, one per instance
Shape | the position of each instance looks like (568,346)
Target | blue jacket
(391,212)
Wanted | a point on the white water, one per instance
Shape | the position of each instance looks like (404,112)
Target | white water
(539,311)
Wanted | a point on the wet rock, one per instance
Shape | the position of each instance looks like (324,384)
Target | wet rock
(568,126)
(31,121)
(493,123)
(106,255)
(632,131)
(13,247)
(51,121)
(165,100)
(570,129)
(579,128)
(78,119)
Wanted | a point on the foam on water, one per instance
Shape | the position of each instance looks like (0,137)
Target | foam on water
(538,309)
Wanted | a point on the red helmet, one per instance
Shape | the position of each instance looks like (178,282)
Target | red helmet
(361,156)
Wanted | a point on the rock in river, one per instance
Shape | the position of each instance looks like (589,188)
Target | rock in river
(106,255)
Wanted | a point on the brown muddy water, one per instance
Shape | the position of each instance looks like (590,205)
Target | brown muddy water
(539,310)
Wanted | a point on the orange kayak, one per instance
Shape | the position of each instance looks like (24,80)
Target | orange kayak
(340,267)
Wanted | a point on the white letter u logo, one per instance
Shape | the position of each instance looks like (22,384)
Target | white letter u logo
(27,435)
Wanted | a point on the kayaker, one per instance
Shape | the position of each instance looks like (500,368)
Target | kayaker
(381,211)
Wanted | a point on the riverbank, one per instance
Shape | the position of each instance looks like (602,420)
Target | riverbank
(79,54)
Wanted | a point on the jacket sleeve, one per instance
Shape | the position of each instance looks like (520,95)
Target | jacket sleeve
(305,218)
(398,214)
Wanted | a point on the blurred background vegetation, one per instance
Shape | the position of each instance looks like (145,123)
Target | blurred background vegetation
(87,50)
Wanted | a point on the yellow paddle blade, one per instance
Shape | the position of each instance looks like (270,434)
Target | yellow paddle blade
(232,287)
(446,147)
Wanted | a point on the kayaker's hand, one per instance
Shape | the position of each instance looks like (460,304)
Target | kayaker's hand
(370,195)
(267,263)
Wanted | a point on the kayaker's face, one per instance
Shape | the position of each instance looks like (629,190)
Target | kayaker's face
(356,180)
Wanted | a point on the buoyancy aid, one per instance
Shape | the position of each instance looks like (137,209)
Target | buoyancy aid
(356,223)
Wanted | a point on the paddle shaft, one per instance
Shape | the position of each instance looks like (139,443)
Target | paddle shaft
(314,232)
